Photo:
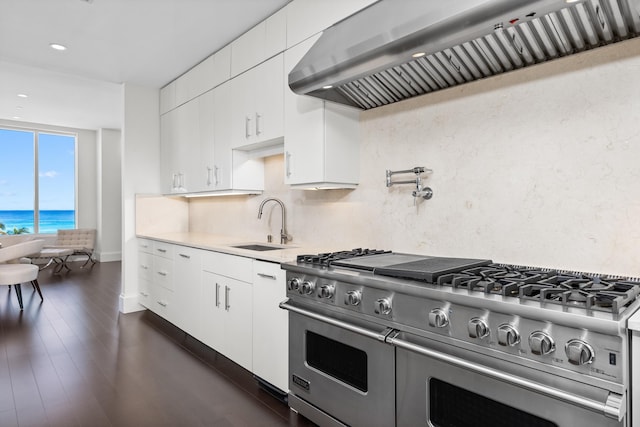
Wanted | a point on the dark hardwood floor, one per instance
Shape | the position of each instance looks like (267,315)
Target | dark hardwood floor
(74,360)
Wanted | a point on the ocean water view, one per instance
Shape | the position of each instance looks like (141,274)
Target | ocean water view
(50,221)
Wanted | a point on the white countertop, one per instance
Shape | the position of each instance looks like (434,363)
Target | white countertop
(225,244)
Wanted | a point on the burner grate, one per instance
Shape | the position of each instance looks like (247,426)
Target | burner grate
(327,258)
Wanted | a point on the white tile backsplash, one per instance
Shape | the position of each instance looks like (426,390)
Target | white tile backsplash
(538,167)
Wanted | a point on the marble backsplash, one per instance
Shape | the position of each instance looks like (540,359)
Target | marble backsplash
(536,167)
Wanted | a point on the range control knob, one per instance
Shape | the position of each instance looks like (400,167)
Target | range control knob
(579,352)
(353,298)
(294,284)
(541,343)
(327,291)
(508,336)
(477,328)
(438,318)
(383,306)
(307,287)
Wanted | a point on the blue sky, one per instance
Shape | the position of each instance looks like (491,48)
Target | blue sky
(56,170)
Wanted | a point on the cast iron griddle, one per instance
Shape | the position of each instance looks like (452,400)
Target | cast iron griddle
(429,268)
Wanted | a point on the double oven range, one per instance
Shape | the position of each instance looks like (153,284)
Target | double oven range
(387,339)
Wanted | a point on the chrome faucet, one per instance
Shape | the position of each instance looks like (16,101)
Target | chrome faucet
(284,237)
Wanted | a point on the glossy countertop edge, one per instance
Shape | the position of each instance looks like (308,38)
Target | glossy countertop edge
(224,244)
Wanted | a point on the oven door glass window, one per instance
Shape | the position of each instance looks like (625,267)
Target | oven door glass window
(343,362)
(453,406)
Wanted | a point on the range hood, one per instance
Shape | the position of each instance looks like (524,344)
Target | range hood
(372,58)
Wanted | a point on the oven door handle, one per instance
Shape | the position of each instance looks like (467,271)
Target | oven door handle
(614,407)
(380,336)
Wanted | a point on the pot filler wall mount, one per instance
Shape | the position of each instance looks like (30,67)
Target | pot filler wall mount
(386,53)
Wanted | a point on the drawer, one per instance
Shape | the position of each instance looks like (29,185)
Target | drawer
(235,267)
(163,249)
(145,266)
(145,245)
(145,296)
(163,272)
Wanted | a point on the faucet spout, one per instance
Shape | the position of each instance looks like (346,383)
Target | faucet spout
(284,237)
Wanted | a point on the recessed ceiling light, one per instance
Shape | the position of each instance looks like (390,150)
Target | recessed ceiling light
(572,1)
(58,46)
(418,54)
(327,87)
(22,95)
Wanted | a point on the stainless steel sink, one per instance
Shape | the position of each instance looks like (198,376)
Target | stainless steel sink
(258,247)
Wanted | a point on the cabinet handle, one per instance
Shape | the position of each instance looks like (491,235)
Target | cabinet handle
(287,160)
(162,273)
(208,176)
(161,250)
(173,181)
(163,304)
(144,294)
(267,276)
(227,291)
(215,174)
(247,126)
(185,256)
(181,175)
(217,295)
(144,267)
(258,117)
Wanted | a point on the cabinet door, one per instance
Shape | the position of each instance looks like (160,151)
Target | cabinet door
(187,289)
(321,140)
(304,128)
(270,325)
(188,146)
(226,314)
(206,151)
(242,120)
(212,312)
(237,308)
(222,154)
(269,99)
(168,161)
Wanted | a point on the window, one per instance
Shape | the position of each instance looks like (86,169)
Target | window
(41,202)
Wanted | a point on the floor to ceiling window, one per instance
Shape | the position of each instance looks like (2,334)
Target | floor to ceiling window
(37,181)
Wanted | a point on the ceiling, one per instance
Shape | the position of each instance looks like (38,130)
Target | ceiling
(109,42)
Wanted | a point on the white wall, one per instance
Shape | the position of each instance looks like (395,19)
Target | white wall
(109,194)
(140,174)
(536,167)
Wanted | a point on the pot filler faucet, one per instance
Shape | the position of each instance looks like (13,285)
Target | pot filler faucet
(284,237)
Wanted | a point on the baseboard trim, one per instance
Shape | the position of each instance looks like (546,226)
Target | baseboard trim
(109,256)
(129,304)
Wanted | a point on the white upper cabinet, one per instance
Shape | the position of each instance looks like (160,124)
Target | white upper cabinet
(263,41)
(321,139)
(257,105)
(308,17)
(168,97)
(208,74)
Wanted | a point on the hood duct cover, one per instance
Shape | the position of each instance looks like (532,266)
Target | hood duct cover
(366,60)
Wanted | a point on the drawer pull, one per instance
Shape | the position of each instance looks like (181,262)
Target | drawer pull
(267,276)
(163,304)
(162,273)
(185,256)
(161,250)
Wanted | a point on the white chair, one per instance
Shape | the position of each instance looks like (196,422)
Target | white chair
(13,273)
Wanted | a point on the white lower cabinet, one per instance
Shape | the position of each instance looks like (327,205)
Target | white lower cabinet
(227,317)
(270,325)
(229,302)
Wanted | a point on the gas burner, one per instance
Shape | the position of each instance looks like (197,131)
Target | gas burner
(327,258)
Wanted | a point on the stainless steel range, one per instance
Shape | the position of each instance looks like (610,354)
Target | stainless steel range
(382,339)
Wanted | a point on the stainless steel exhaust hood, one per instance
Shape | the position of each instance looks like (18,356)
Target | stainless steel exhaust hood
(397,49)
